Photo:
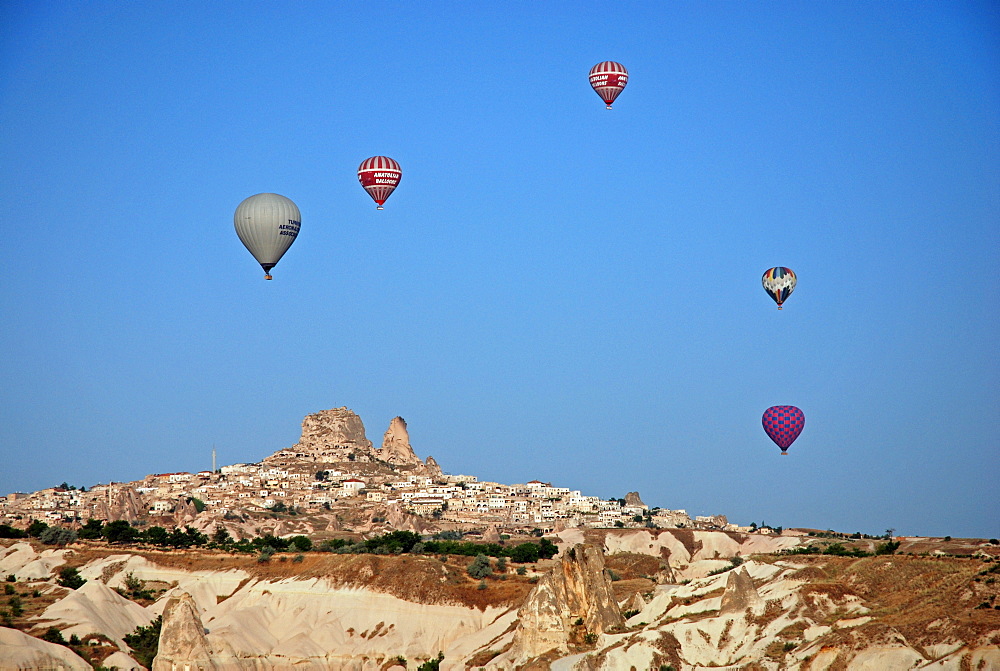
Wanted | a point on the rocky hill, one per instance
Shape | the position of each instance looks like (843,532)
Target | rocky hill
(593,607)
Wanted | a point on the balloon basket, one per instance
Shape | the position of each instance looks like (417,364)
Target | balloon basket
(609,107)
(784,453)
(268,277)
(379,208)
(779,307)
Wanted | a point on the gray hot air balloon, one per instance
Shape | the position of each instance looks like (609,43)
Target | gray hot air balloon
(267,225)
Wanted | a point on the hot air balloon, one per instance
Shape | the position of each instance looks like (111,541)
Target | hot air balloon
(379,175)
(267,225)
(779,283)
(783,423)
(608,79)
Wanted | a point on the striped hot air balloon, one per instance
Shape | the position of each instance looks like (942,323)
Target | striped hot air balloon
(379,175)
(779,283)
(783,423)
(608,79)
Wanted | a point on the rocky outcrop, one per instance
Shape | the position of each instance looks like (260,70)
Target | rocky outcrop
(125,504)
(632,499)
(20,652)
(396,448)
(577,590)
(740,593)
(433,470)
(332,436)
(183,644)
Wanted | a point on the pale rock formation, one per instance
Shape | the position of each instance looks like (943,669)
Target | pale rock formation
(491,535)
(20,652)
(334,435)
(740,593)
(401,520)
(632,499)
(96,607)
(575,589)
(433,470)
(21,560)
(635,603)
(126,504)
(396,448)
(183,644)
(119,660)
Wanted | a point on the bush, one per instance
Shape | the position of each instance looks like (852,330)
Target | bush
(297,559)
(300,543)
(53,635)
(482,584)
(36,528)
(70,577)
(16,606)
(57,536)
(145,641)
(7,531)
(480,567)
(522,570)
(432,664)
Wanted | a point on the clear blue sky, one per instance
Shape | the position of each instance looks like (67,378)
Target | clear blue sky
(555,291)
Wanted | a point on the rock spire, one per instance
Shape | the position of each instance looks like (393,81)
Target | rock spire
(183,644)
(396,448)
(575,590)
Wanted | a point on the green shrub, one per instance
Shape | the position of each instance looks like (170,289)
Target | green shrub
(145,641)
(53,635)
(480,567)
(70,577)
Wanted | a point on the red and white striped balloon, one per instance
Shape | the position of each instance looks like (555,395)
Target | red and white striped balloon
(379,175)
(608,79)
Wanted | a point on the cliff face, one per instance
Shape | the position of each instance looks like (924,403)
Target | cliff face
(576,590)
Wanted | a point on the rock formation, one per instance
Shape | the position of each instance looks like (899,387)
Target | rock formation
(125,504)
(183,644)
(576,590)
(333,436)
(18,652)
(396,448)
(433,470)
(632,499)
(740,593)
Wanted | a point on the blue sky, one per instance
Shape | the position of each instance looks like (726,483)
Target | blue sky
(554,291)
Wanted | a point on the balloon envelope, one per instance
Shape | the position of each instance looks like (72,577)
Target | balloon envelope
(267,225)
(380,176)
(783,423)
(608,79)
(779,283)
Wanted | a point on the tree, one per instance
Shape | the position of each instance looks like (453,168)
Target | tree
(36,528)
(480,567)
(57,536)
(221,537)
(120,531)
(432,664)
(524,553)
(92,530)
(157,536)
(300,543)
(70,577)
(145,641)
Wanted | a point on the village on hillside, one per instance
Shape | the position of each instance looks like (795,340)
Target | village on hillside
(333,467)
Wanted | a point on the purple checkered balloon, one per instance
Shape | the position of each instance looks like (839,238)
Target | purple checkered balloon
(783,423)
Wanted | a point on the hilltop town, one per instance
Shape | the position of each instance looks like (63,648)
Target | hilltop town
(334,479)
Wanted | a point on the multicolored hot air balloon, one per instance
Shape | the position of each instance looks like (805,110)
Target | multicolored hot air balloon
(379,175)
(608,79)
(783,423)
(267,225)
(779,283)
